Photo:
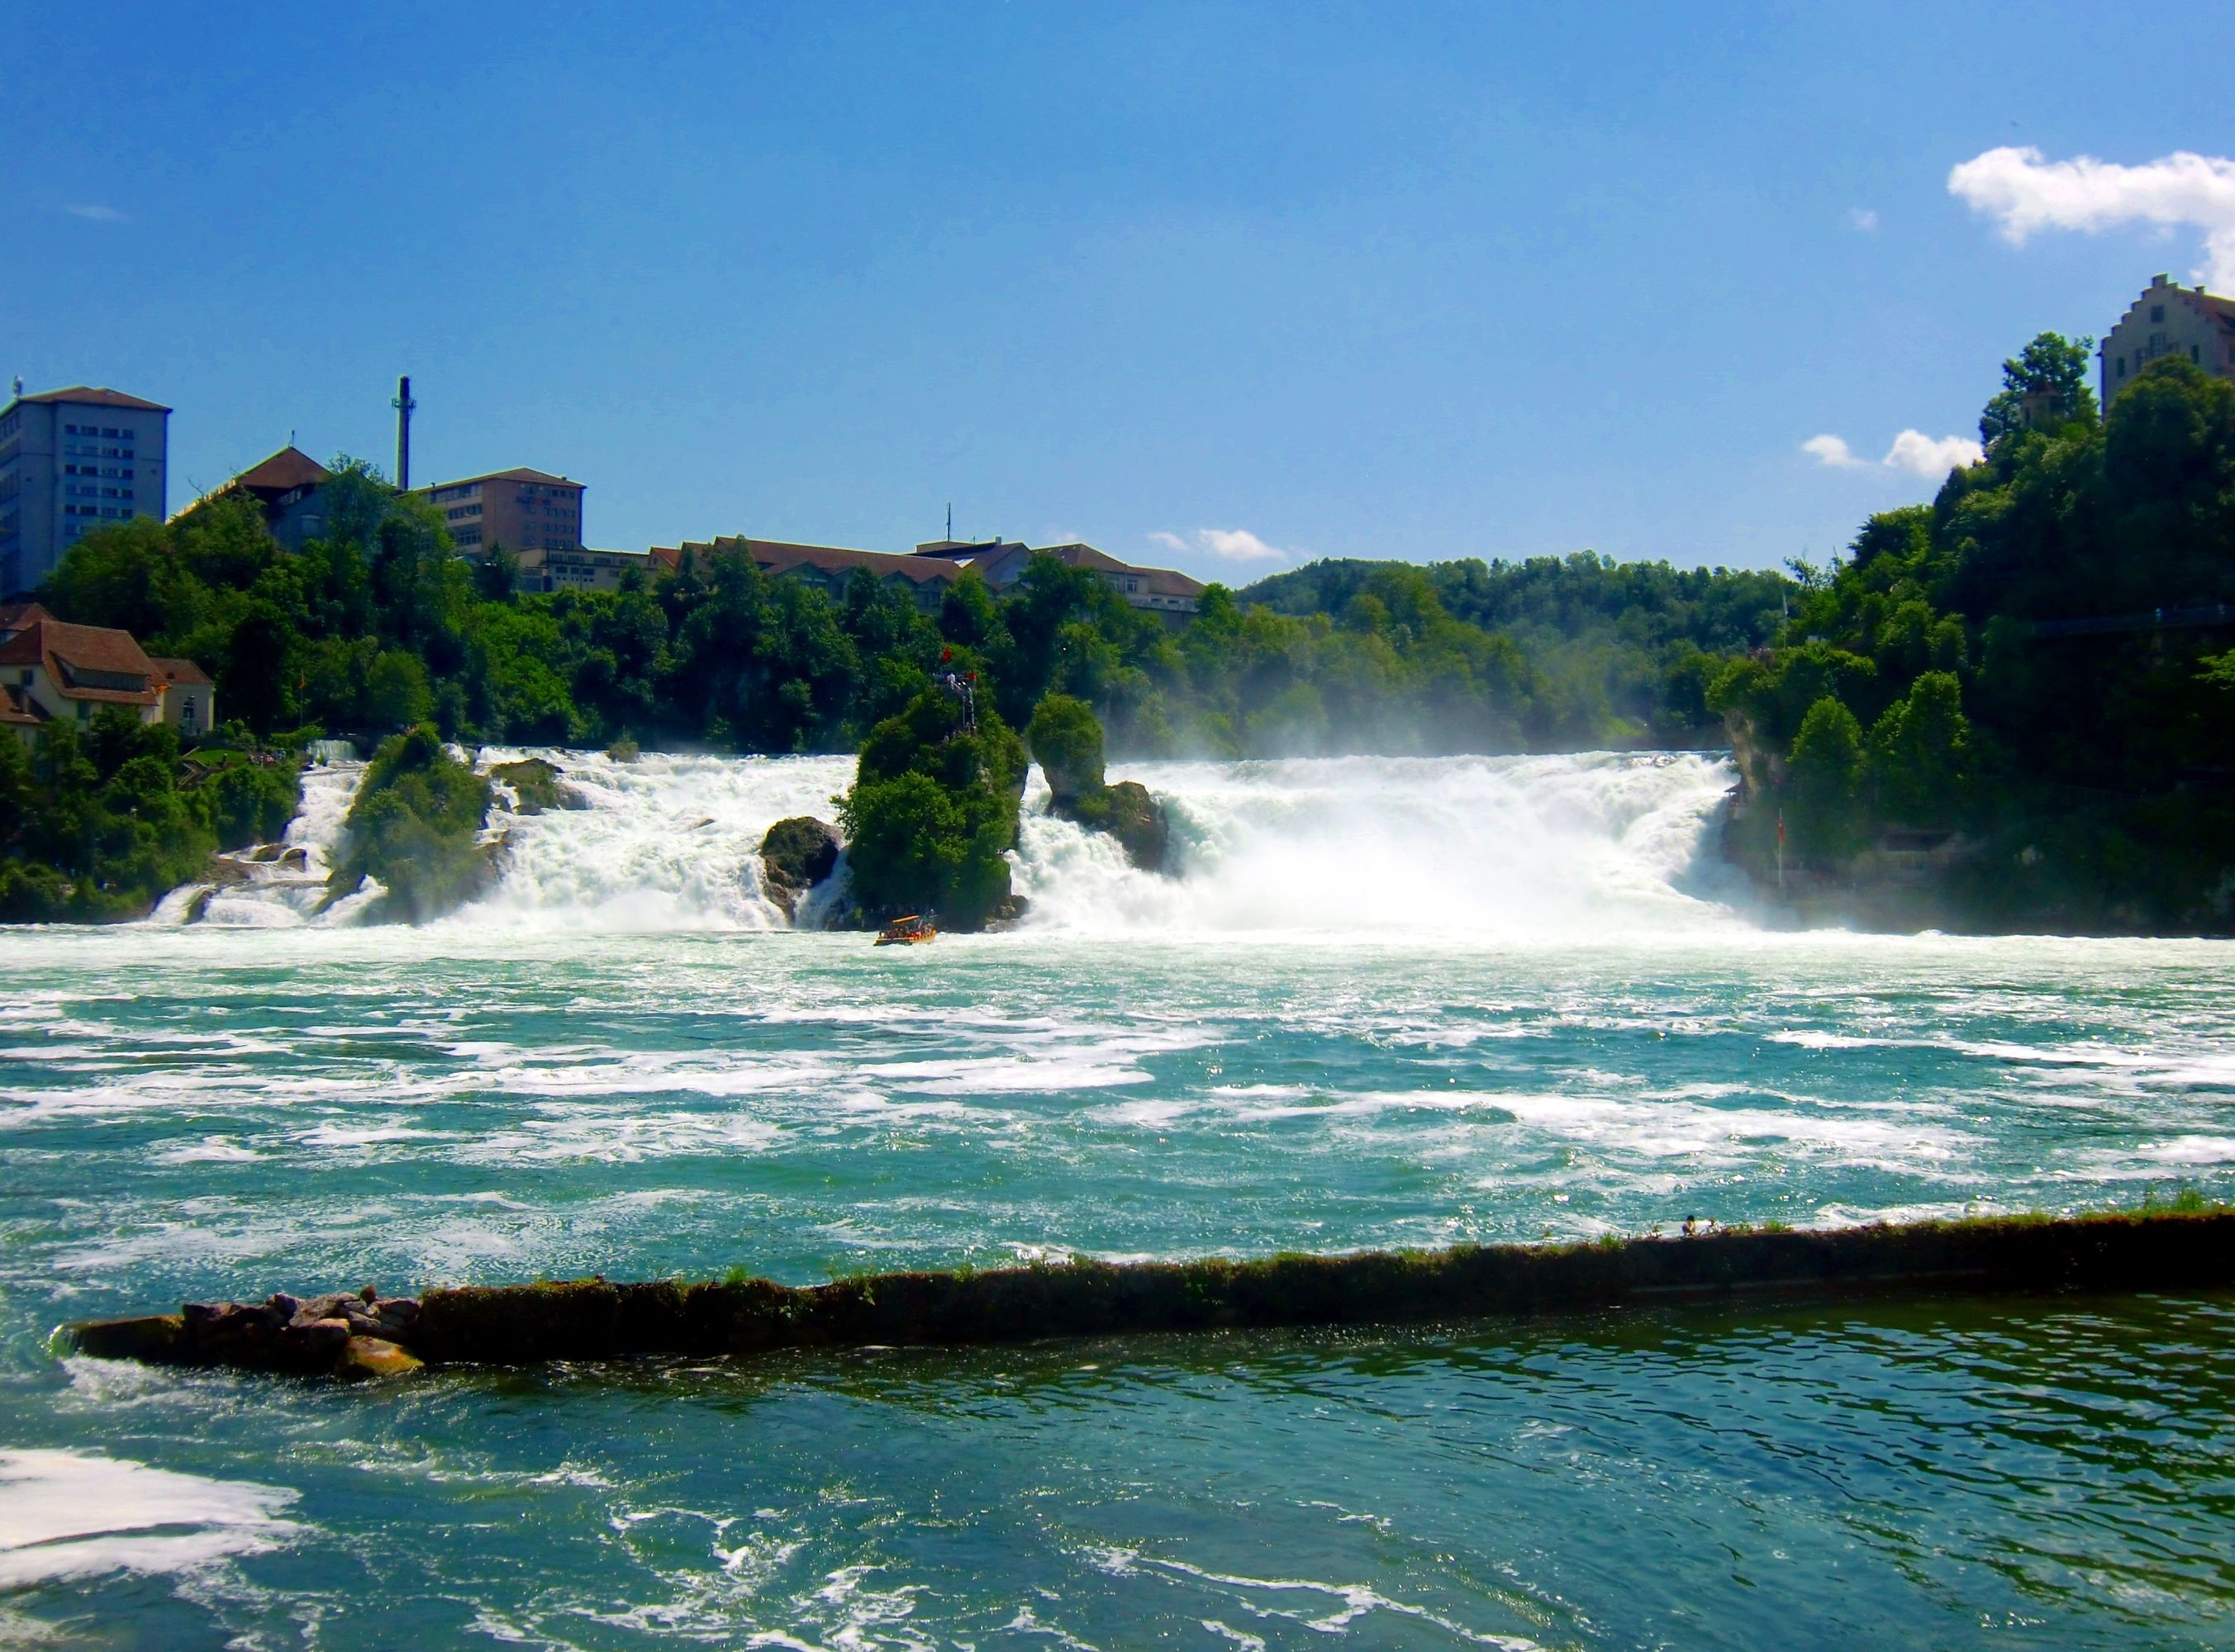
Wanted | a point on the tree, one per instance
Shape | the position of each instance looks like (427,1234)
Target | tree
(2052,373)
(1066,741)
(933,811)
(1825,771)
(1920,754)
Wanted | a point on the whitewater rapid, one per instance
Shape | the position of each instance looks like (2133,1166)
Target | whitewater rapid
(1524,846)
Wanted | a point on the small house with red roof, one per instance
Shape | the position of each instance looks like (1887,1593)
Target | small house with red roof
(50,671)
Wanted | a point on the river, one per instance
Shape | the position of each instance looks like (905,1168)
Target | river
(1382,1002)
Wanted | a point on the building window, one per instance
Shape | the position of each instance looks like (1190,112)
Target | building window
(2157,312)
(2122,367)
(2194,355)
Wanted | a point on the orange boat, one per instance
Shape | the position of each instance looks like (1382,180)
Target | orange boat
(907,931)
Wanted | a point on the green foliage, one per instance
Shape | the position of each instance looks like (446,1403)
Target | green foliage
(933,811)
(415,827)
(100,821)
(1067,742)
(380,626)
(1825,769)
(2010,648)
(2054,369)
(1920,755)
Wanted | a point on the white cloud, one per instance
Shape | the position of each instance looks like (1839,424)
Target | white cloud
(1832,451)
(1235,545)
(1862,218)
(98,214)
(1912,451)
(2025,193)
(1921,455)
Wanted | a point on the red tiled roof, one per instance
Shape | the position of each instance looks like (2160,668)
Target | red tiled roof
(523,475)
(185,672)
(289,468)
(16,618)
(779,556)
(87,395)
(14,709)
(67,652)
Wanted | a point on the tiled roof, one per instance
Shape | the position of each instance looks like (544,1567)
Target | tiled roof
(16,710)
(289,468)
(778,555)
(523,475)
(86,395)
(68,652)
(1076,555)
(1170,582)
(15,617)
(184,672)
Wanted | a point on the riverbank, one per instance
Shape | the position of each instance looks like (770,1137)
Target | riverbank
(595,1319)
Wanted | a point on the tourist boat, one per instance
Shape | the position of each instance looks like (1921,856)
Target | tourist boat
(907,931)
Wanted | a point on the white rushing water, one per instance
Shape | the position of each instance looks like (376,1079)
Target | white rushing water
(1493,845)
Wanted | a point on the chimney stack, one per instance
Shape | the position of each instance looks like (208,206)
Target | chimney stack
(403,405)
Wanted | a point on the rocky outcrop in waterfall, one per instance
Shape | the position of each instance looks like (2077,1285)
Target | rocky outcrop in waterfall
(796,855)
(537,786)
(415,829)
(933,811)
(1066,741)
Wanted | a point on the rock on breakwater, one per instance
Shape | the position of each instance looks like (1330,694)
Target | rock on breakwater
(594,1319)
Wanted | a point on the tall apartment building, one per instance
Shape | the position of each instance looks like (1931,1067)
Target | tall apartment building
(70,461)
(520,509)
(2169,319)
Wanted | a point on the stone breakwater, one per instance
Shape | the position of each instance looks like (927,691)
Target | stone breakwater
(595,1319)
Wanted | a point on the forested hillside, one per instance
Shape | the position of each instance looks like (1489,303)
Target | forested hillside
(2040,660)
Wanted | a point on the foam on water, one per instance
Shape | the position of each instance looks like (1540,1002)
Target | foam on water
(67,1514)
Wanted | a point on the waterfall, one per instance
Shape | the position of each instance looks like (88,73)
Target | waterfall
(1613,840)
(281,884)
(1602,841)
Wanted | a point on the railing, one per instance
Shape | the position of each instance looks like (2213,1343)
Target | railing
(2160,619)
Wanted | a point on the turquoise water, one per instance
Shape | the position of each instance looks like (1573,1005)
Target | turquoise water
(626,1075)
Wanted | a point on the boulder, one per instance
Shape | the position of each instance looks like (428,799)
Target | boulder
(796,855)
(1137,820)
(371,1357)
(538,785)
(151,1339)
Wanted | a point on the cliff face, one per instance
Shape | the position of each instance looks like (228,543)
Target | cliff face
(2048,861)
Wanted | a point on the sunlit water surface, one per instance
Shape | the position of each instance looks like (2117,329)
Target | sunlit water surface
(1513,1002)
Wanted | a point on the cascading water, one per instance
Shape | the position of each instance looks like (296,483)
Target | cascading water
(1484,844)
(282,885)
(1489,845)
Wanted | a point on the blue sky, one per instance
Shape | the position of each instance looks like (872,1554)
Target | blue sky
(1192,283)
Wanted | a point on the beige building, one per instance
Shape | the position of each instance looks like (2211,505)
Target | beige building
(2169,319)
(582,569)
(51,671)
(519,510)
